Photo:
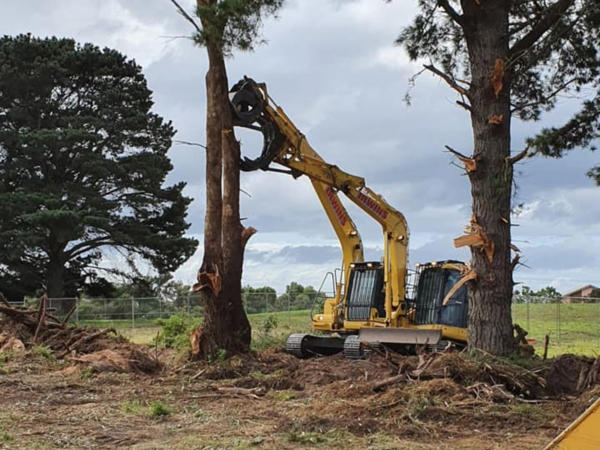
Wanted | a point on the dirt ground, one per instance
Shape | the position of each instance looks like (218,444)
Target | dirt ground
(267,400)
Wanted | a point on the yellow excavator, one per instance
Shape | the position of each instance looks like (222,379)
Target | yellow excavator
(374,302)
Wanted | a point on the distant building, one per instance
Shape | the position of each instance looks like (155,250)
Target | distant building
(583,294)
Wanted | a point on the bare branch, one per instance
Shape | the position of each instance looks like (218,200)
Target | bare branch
(518,157)
(458,154)
(452,13)
(464,105)
(552,15)
(554,93)
(187,16)
(190,143)
(470,163)
(448,79)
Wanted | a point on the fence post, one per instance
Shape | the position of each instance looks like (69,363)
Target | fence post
(132,313)
(266,302)
(557,321)
(527,309)
(77,304)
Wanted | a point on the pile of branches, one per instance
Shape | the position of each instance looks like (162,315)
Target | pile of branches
(496,378)
(40,327)
(484,375)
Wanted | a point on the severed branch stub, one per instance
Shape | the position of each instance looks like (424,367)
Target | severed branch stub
(246,234)
(470,163)
(208,280)
(475,236)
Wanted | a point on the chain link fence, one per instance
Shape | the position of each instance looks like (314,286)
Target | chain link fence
(572,325)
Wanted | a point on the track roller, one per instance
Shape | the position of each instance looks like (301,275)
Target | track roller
(294,345)
(353,348)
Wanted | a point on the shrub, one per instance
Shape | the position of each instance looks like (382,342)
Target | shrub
(42,351)
(175,331)
(157,409)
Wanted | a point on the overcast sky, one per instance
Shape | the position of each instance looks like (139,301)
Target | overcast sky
(333,67)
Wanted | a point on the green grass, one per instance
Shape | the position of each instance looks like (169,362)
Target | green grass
(573,328)
(579,327)
(158,409)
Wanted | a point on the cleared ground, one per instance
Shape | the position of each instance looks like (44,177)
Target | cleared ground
(266,401)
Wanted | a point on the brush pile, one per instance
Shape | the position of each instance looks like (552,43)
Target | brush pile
(101,349)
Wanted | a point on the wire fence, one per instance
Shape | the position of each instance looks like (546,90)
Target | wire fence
(144,311)
(572,324)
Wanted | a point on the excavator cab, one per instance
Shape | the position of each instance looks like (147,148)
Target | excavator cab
(431,304)
(365,295)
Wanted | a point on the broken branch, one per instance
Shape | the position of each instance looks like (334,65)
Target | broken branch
(448,79)
(41,315)
(470,163)
(470,275)
(475,236)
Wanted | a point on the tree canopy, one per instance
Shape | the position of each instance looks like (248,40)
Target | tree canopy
(553,54)
(83,163)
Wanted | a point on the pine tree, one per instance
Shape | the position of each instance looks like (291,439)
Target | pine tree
(83,162)
(505,59)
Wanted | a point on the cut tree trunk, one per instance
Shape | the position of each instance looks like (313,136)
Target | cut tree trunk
(226,327)
(490,322)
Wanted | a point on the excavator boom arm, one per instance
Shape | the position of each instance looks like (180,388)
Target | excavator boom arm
(287,146)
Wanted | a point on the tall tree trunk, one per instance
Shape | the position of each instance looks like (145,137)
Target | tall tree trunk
(225,326)
(490,322)
(55,283)
(55,278)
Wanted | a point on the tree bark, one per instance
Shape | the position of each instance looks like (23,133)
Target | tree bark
(55,278)
(55,283)
(486,32)
(225,326)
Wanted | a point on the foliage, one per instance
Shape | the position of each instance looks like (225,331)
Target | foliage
(83,161)
(175,331)
(269,324)
(158,409)
(553,53)
(545,294)
(219,355)
(42,351)
(6,356)
(231,24)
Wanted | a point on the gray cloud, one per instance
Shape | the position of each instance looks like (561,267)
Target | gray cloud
(333,67)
